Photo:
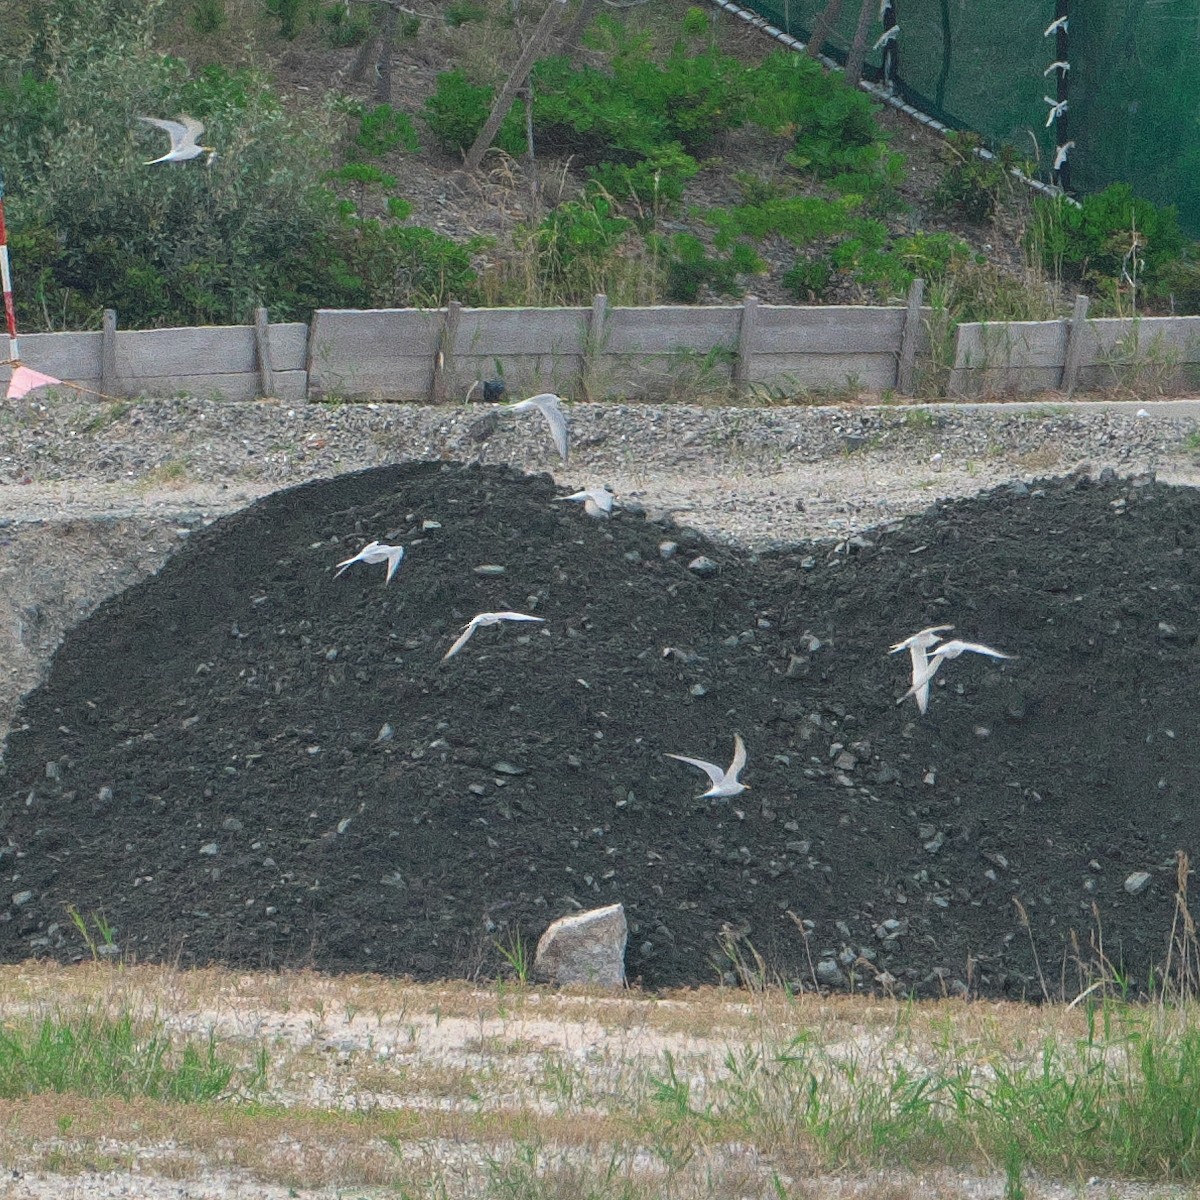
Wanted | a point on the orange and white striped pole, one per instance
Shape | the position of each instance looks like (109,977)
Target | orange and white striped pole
(10,314)
(24,379)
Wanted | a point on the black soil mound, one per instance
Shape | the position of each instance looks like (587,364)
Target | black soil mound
(245,760)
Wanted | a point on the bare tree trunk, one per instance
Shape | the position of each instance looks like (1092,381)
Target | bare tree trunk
(858,48)
(512,85)
(358,66)
(387,44)
(823,27)
(578,27)
(535,184)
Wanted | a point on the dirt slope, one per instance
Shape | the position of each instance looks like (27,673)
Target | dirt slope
(243,760)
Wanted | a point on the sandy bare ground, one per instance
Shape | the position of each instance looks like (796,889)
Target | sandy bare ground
(381,1087)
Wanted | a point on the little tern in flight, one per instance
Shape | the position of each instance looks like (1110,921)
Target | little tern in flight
(724,783)
(484,618)
(550,406)
(376,552)
(938,656)
(184,134)
(916,646)
(597,502)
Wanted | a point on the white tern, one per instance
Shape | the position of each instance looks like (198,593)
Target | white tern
(376,552)
(938,656)
(597,502)
(485,618)
(916,647)
(550,406)
(184,133)
(724,783)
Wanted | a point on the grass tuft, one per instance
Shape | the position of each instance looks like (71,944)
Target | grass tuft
(93,1054)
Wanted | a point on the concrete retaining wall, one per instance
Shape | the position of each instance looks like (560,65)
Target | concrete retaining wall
(598,353)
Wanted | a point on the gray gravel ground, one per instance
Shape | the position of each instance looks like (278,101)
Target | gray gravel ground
(94,496)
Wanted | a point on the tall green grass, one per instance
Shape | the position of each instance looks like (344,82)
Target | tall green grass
(93,1054)
(1122,1099)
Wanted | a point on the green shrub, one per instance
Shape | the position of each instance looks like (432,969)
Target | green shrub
(696,22)
(579,231)
(745,260)
(651,117)
(808,278)
(872,258)
(345,26)
(776,84)
(865,257)
(1095,242)
(973,289)
(794,94)
(1179,282)
(836,135)
(931,255)
(690,267)
(457,110)
(578,249)
(800,219)
(359,177)
(398,208)
(463,12)
(757,190)
(971,185)
(584,113)
(64,30)
(398,266)
(700,96)
(625,113)
(656,182)
(382,129)
(292,15)
(31,121)
(208,16)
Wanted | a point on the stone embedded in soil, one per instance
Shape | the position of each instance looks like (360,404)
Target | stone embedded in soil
(586,947)
(1138,882)
(830,974)
(192,731)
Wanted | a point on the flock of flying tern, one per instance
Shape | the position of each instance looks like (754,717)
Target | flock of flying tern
(928,652)
(927,649)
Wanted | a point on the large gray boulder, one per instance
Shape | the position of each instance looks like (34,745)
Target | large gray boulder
(586,947)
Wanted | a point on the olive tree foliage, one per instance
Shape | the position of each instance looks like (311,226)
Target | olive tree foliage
(92,226)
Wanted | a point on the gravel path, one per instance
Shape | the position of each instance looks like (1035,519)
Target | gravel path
(93,497)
